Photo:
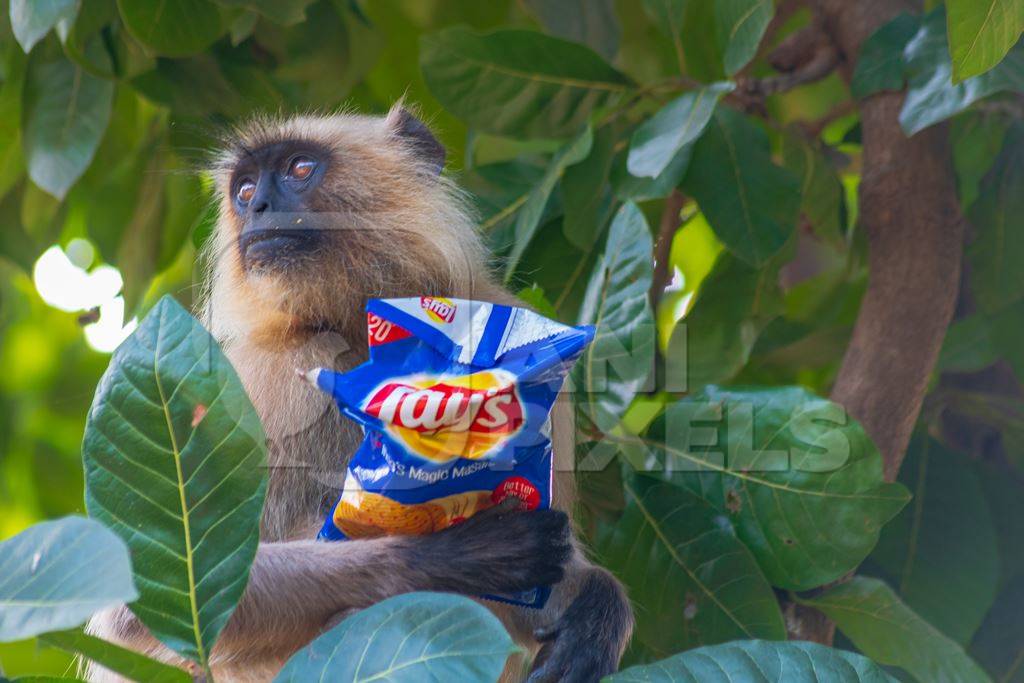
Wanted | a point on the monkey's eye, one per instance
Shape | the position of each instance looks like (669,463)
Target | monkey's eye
(246,190)
(301,168)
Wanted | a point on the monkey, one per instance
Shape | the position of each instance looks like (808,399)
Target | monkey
(317,214)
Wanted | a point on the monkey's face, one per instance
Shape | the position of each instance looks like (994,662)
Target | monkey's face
(273,193)
(320,213)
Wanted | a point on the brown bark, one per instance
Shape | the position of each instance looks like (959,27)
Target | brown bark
(914,229)
(909,212)
(669,224)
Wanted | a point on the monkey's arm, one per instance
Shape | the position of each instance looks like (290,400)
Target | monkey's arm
(295,587)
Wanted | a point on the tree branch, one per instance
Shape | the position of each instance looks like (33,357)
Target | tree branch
(915,233)
(667,227)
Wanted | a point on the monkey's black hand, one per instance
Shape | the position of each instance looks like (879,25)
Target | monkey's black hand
(500,550)
(586,642)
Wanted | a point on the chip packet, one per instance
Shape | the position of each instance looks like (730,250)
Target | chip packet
(455,405)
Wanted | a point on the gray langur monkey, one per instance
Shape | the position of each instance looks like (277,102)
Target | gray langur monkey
(366,213)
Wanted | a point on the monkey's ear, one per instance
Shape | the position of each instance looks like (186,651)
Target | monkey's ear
(417,136)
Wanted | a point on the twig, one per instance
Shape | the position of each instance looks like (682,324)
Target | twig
(667,227)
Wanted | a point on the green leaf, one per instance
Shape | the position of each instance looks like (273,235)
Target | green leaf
(140,242)
(932,96)
(870,614)
(515,82)
(999,643)
(880,63)
(981,32)
(751,203)
(408,638)
(499,190)
(976,139)
(702,58)
(979,340)
(174,29)
(712,343)
(530,215)
(586,196)
(127,663)
(708,588)
(940,551)
(997,279)
(175,463)
(758,661)
(65,112)
(535,298)
(590,22)
(658,139)
(799,479)
(33,19)
(621,357)
(667,16)
(55,575)
(741,24)
(821,193)
(284,12)
(628,186)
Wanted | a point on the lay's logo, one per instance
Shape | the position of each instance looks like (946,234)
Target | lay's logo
(438,309)
(451,417)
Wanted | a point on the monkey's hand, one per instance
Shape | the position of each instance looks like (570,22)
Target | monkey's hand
(587,640)
(499,550)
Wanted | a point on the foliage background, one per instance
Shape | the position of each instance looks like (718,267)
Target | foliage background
(773,308)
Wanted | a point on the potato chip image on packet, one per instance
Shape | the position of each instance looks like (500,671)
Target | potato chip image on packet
(455,405)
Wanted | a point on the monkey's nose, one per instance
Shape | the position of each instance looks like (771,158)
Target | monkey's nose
(260,205)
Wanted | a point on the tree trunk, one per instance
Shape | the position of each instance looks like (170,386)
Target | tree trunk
(915,231)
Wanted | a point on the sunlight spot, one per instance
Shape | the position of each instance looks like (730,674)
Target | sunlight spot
(62,282)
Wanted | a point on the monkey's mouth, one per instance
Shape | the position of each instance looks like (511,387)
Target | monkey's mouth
(275,245)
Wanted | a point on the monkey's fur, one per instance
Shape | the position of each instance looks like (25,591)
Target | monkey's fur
(390,225)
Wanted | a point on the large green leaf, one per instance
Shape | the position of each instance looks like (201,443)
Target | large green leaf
(33,19)
(64,114)
(751,203)
(627,186)
(799,479)
(616,302)
(499,190)
(529,217)
(408,638)
(997,279)
(517,82)
(129,664)
(979,340)
(713,342)
(174,28)
(880,63)
(741,23)
(821,193)
(981,32)
(586,196)
(658,139)
(932,96)
(758,661)
(976,139)
(692,581)
(667,16)
(55,575)
(999,643)
(590,22)
(870,614)
(175,464)
(940,551)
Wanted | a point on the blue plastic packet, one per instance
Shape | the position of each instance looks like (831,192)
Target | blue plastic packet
(455,405)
